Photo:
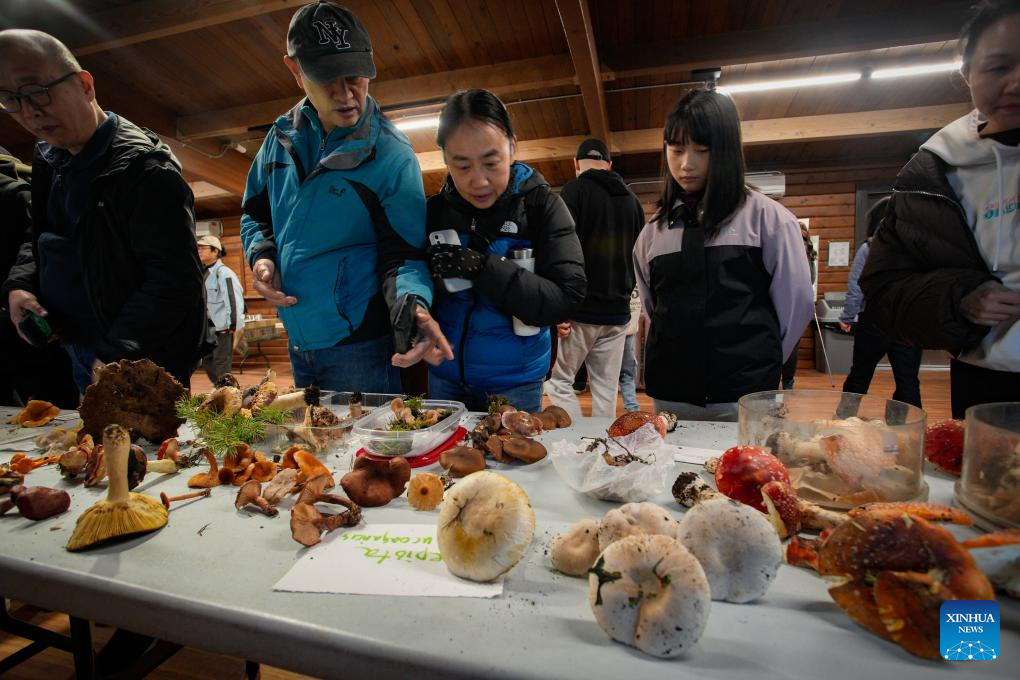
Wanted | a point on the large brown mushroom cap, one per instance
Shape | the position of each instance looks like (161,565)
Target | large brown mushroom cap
(527,451)
(461,461)
(373,483)
(138,395)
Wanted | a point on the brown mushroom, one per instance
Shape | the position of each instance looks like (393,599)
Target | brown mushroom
(263,470)
(170,448)
(167,500)
(205,480)
(310,467)
(561,417)
(461,461)
(373,483)
(521,422)
(525,450)
(95,470)
(251,493)
(281,485)
(548,420)
(75,459)
(307,523)
(494,447)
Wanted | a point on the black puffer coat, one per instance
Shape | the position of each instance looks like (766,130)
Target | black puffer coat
(138,257)
(924,260)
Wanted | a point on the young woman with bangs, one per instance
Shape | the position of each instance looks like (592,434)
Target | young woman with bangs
(721,270)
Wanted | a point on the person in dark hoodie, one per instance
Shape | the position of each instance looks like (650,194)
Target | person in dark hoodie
(111,261)
(608,218)
(504,246)
(721,271)
(944,267)
(26,372)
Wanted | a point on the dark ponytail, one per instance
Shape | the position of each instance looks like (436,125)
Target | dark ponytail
(986,13)
(474,104)
(707,118)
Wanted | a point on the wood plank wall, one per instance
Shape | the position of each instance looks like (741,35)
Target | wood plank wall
(825,196)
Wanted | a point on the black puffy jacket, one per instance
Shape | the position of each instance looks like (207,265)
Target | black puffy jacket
(478,321)
(923,261)
(138,257)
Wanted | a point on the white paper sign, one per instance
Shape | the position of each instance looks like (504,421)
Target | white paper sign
(381,559)
(839,253)
(695,455)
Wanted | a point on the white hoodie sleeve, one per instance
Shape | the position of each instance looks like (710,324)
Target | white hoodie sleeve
(784,258)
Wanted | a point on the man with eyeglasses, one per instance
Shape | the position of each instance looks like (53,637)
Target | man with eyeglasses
(110,265)
(334,218)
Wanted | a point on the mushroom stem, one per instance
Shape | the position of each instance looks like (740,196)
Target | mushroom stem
(167,500)
(117,446)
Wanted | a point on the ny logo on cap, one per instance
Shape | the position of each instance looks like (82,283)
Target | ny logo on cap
(330,32)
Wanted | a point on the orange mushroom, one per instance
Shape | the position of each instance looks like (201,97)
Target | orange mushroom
(263,470)
(36,414)
(205,480)
(310,467)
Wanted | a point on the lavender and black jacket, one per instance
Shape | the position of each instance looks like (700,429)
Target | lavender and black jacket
(727,310)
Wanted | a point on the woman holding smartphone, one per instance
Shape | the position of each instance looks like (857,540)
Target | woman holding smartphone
(506,256)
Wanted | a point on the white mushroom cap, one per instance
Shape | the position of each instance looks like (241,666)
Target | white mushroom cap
(650,592)
(485,525)
(634,519)
(574,551)
(736,545)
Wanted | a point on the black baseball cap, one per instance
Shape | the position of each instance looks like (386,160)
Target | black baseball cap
(329,42)
(593,149)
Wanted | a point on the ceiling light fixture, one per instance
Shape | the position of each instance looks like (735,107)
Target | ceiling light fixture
(883,73)
(766,85)
(417,123)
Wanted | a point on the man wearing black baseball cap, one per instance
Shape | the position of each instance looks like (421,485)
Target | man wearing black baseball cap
(608,218)
(334,218)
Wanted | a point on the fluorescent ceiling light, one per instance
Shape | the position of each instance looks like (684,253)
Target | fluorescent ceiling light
(790,83)
(917,70)
(417,123)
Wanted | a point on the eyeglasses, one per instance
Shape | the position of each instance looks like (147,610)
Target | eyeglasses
(39,95)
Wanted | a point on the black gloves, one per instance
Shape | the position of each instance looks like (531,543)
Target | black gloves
(455,262)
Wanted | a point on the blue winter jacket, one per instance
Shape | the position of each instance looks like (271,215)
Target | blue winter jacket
(343,217)
(478,322)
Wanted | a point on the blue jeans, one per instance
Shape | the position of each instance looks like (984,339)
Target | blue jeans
(526,397)
(628,372)
(358,367)
(82,359)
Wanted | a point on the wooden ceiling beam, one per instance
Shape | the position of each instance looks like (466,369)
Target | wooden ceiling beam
(939,22)
(140,22)
(767,131)
(504,79)
(576,19)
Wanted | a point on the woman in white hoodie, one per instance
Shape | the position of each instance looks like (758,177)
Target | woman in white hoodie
(944,268)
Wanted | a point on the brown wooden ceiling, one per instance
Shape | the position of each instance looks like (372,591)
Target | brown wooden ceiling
(174,65)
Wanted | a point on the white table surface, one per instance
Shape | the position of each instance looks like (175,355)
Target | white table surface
(214,592)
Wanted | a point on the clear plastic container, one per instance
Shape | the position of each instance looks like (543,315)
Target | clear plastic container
(323,441)
(989,486)
(840,449)
(380,441)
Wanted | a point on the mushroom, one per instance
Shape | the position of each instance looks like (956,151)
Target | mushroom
(461,461)
(634,519)
(742,472)
(307,523)
(223,400)
(309,466)
(263,470)
(122,513)
(76,458)
(736,545)
(424,491)
(95,469)
(356,405)
(372,483)
(651,593)
(205,480)
(170,448)
(282,484)
(9,479)
(37,502)
(291,400)
(167,500)
(485,525)
(525,450)
(251,493)
(521,422)
(574,551)
(35,414)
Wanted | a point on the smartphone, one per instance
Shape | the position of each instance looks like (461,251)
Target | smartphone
(449,237)
(37,329)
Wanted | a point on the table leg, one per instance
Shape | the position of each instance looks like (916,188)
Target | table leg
(81,649)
